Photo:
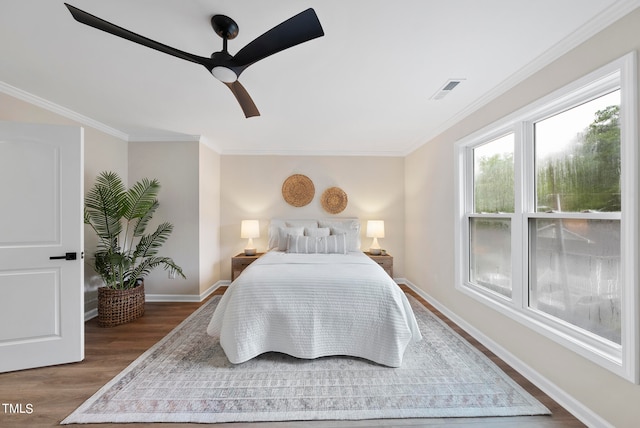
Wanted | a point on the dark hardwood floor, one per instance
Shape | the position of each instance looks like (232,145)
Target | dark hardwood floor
(54,392)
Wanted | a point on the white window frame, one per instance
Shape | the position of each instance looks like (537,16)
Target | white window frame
(621,359)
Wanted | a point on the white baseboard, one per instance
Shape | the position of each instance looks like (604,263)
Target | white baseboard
(185,297)
(576,408)
(92,313)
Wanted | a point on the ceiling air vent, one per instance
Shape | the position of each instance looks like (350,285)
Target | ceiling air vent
(446,88)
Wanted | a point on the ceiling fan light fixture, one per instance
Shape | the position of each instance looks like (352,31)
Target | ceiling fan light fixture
(224,74)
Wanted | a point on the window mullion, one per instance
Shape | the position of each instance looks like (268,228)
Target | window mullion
(527,207)
(519,266)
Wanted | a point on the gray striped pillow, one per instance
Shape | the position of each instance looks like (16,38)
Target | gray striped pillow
(334,244)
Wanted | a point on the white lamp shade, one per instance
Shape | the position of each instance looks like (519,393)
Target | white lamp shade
(375,229)
(250,229)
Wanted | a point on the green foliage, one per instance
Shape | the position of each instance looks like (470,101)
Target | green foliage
(494,191)
(119,218)
(587,177)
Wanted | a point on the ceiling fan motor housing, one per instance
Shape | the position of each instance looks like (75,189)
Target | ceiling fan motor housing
(220,71)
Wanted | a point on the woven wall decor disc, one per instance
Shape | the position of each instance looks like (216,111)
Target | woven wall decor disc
(298,190)
(334,200)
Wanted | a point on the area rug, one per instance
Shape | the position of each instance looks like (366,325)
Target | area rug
(186,377)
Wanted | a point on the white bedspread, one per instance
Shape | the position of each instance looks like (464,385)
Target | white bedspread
(314,305)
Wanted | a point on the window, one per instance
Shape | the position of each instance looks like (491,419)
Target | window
(548,221)
(490,226)
(574,259)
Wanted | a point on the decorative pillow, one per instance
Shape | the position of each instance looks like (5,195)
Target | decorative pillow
(317,231)
(334,244)
(350,226)
(284,232)
(274,233)
(304,223)
(276,224)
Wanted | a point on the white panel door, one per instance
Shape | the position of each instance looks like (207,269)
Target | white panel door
(41,220)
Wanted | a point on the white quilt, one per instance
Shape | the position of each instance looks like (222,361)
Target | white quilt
(314,305)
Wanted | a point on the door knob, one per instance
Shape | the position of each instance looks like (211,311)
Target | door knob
(67,256)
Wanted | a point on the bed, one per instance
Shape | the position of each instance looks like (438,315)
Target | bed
(314,295)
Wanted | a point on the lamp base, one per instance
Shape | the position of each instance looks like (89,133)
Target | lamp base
(375,251)
(249,251)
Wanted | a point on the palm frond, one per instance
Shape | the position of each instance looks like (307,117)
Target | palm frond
(140,204)
(140,198)
(109,206)
(144,268)
(149,245)
(103,205)
(140,226)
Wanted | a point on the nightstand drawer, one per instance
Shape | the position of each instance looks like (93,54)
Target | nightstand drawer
(386,262)
(240,263)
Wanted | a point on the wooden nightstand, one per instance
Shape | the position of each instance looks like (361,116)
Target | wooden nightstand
(240,263)
(385,261)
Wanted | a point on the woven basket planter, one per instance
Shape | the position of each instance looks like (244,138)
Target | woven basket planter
(117,307)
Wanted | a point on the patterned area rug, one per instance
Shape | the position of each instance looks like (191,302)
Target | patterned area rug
(186,377)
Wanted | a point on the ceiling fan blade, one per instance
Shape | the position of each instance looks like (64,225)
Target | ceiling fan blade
(241,94)
(298,29)
(100,24)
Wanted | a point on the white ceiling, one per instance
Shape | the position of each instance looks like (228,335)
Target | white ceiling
(363,88)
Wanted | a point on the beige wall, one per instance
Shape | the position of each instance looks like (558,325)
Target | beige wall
(102,151)
(430,247)
(209,252)
(176,166)
(190,175)
(252,189)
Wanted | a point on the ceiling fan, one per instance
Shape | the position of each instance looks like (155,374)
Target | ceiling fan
(225,67)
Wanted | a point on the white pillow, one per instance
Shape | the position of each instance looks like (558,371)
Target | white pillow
(284,232)
(334,244)
(317,231)
(350,226)
(303,223)
(274,233)
(276,224)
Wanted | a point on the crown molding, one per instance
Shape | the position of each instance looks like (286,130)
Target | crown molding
(277,152)
(573,40)
(163,138)
(62,111)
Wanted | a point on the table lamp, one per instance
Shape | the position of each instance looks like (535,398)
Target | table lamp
(250,229)
(375,230)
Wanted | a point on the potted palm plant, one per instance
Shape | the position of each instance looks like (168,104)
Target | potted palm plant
(125,253)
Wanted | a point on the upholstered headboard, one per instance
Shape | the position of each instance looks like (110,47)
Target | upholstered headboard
(280,228)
